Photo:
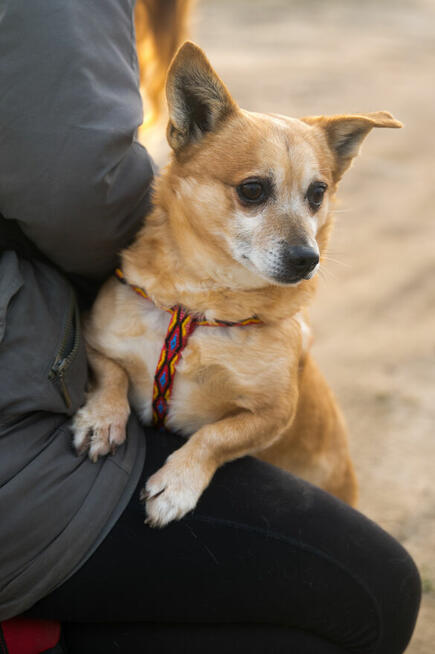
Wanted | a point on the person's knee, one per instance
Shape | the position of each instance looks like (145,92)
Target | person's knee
(401,595)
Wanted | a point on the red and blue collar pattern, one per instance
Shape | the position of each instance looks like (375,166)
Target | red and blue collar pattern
(181,326)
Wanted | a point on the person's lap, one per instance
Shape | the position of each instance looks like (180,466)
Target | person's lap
(262,548)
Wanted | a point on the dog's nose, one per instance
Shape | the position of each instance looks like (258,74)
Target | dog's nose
(301,259)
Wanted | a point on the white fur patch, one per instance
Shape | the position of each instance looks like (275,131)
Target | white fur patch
(305,331)
(174,489)
(146,348)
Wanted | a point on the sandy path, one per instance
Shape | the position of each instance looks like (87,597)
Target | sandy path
(374,316)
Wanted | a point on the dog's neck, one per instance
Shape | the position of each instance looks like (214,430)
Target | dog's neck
(202,277)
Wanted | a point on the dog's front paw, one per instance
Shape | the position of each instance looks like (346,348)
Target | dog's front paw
(175,489)
(98,428)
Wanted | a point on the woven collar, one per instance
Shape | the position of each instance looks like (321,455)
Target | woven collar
(201,321)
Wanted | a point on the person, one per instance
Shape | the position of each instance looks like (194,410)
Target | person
(266,562)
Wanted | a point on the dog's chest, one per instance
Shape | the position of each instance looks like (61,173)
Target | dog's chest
(140,355)
(203,387)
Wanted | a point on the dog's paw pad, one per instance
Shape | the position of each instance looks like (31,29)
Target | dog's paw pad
(98,433)
(173,491)
(168,505)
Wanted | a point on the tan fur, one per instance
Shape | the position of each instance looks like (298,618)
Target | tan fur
(161,26)
(239,390)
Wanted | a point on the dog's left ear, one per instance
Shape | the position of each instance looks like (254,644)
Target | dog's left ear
(198,100)
(345,134)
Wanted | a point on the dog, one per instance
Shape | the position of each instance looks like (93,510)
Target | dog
(222,273)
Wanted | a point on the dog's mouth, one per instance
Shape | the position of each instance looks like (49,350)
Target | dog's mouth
(293,280)
(286,270)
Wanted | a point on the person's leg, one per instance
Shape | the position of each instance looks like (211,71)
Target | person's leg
(131,637)
(261,548)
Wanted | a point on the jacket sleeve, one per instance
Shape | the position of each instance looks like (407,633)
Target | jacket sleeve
(71,172)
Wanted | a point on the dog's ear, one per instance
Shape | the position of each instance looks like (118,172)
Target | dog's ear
(346,133)
(198,100)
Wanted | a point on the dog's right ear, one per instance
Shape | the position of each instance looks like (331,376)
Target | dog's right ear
(198,100)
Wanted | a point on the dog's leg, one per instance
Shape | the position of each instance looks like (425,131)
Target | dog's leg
(176,488)
(315,445)
(99,426)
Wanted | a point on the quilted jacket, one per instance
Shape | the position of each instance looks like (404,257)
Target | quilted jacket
(76,184)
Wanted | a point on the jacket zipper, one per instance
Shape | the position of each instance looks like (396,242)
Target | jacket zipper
(62,362)
(57,372)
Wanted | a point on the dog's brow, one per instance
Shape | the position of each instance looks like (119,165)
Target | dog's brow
(287,143)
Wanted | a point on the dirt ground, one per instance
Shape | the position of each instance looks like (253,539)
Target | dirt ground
(374,315)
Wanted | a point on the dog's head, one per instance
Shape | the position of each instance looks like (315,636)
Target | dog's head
(256,186)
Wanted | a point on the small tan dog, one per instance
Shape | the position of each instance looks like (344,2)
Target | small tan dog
(241,218)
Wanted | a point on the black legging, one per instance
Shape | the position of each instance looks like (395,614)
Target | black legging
(266,564)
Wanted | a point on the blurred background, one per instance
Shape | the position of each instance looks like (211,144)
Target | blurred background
(374,315)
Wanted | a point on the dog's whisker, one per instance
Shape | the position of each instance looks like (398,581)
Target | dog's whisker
(332,260)
(325,274)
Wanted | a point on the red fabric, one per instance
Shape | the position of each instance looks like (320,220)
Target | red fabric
(26,636)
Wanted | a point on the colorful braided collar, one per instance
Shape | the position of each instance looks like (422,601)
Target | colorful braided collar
(181,326)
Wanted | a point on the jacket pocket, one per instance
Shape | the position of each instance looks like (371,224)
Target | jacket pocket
(67,353)
(10,283)
(43,363)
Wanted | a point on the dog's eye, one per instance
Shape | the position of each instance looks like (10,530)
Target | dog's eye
(252,191)
(315,194)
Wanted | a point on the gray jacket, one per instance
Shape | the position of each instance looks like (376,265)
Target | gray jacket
(77,182)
